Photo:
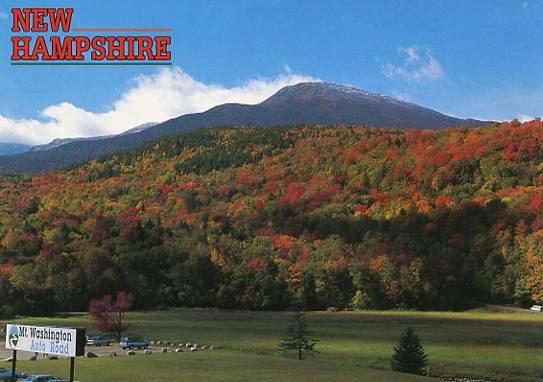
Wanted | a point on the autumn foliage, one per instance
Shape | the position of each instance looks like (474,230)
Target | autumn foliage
(346,216)
(108,313)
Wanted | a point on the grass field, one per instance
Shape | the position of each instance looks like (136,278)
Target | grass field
(504,346)
(223,365)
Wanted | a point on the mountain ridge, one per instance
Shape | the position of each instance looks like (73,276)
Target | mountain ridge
(7,148)
(303,103)
(57,142)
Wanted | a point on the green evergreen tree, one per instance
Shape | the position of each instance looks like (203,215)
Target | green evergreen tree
(409,356)
(299,337)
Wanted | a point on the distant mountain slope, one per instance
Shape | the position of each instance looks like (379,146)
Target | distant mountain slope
(64,141)
(304,103)
(140,128)
(12,148)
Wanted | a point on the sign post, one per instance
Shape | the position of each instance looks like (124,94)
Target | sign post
(72,368)
(14,366)
(64,342)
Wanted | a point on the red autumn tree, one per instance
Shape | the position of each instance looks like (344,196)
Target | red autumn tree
(108,313)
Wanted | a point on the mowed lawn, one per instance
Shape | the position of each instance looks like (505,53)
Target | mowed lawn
(496,345)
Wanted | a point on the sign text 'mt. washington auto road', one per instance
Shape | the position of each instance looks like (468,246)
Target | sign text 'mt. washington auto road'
(40,339)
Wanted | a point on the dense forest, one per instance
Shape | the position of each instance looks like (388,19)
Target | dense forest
(342,216)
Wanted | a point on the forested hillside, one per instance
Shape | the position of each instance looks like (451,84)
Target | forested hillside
(344,216)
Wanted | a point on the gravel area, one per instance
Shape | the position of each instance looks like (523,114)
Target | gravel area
(100,351)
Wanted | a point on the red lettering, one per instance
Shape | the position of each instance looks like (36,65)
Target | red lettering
(61,49)
(130,42)
(115,45)
(99,51)
(61,16)
(40,49)
(162,43)
(38,23)
(17,48)
(145,45)
(82,45)
(21,21)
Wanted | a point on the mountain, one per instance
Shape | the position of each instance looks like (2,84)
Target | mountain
(64,141)
(304,103)
(12,148)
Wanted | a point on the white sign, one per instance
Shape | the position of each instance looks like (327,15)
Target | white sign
(42,339)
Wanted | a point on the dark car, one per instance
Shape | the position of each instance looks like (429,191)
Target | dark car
(5,375)
(133,343)
(42,378)
(98,341)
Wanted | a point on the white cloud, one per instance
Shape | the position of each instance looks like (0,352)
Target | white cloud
(525,5)
(412,54)
(153,98)
(417,65)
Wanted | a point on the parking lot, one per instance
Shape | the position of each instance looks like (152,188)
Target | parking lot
(100,351)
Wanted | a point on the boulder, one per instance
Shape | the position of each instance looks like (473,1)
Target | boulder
(179,350)
(164,350)
(131,352)
(91,355)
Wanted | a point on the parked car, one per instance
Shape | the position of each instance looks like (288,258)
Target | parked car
(5,375)
(42,378)
(98,341)
(536,308)
(133,343)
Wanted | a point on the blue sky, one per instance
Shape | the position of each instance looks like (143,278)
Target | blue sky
(466,58)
